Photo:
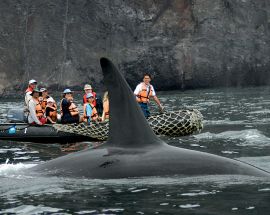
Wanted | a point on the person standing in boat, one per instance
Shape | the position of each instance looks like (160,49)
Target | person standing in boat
(51,111)
(31,86)
(143,92)
(89,110)
(69,111)
(36,116)
(105,114)
(88,89)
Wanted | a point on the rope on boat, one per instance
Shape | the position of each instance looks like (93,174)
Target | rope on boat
(172,123)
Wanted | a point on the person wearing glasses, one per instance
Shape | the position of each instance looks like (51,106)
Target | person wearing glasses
(143,92)
(88,89)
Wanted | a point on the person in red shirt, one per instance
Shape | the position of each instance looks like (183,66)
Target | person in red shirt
(88,89)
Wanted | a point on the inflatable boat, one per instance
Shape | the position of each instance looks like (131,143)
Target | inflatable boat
(16,129)
(172,123)
(40,134)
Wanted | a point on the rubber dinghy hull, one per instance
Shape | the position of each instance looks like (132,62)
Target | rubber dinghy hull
(41,134)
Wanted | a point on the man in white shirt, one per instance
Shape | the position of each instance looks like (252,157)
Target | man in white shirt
(143,92)
(31,86)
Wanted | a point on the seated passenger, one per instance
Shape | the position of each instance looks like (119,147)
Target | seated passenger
(35,111)
(105,114)
(51,111)
(88,89)
(89,110)
(99,104)
(69,111)
(44,98)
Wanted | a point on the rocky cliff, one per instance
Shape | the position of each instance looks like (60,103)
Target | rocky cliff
(183,43)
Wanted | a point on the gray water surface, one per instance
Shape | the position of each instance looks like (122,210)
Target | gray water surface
(236,126)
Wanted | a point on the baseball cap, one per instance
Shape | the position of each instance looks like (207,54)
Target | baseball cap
(35,90)
(32,81)
(43,89)
(50,100)
(89,95)
(87,87)
(67,91)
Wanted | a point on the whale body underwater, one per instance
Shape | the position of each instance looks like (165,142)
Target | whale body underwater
(133,150)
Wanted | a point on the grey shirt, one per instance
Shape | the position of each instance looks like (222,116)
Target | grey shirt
(27,98)
(32,117)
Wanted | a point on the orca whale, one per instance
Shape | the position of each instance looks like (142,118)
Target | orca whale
(133,150)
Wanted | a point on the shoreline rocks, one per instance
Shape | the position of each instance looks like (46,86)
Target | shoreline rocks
(184,44)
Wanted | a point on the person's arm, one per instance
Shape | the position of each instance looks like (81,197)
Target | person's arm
(103,116)
(84,99)
(32,112)
(95,97)
(160,106)
(104,109)
(156,99)
(27,98)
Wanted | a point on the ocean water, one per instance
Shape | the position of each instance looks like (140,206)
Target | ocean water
(236,125)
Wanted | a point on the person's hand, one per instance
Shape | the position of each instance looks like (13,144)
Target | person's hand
(161,108)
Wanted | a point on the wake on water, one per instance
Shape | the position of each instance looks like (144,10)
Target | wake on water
(249,137)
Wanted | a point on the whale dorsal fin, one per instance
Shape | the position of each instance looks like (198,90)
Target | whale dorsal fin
(128,126)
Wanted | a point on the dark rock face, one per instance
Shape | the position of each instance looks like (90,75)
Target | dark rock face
(183,43)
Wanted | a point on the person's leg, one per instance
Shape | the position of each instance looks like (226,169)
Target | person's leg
(74,119)
(43,120)
(145,109)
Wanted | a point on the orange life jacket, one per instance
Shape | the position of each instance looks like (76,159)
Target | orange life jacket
(39,111)
(106,108)
(53,113)
(73,110)
(94,115)
(44,103)
(143,95)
